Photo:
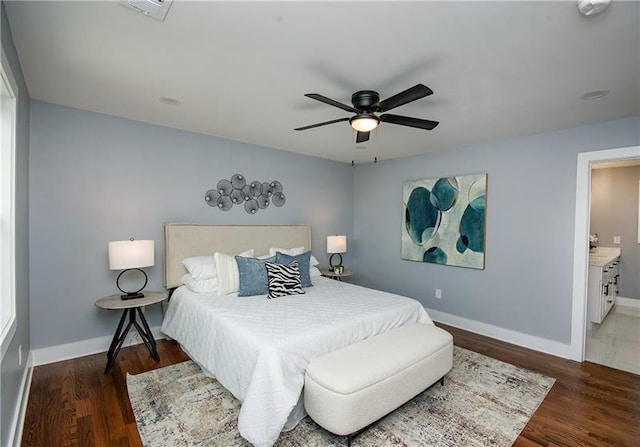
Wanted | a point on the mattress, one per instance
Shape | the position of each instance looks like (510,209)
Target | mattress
(258,348)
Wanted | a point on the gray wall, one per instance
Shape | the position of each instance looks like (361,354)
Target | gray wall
(10,371)
(614,212)
(527,283)
(97,178)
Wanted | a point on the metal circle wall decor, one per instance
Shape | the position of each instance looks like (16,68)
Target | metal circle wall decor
(278,199)
(237,196)
(254,196)
(225,187)
(263,201)
(251,206)
(238,181)
(276,186)
(212,197)
(267,189)
(256,188)
(225,203)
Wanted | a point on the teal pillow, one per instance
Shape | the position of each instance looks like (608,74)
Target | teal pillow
(253,276)
(303,263)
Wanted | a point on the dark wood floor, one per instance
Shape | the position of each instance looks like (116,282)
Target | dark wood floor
(72,403)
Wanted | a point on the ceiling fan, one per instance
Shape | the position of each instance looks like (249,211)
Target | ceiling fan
(366,103)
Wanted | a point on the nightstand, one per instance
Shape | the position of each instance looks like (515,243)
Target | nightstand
(131,307)
(331,274)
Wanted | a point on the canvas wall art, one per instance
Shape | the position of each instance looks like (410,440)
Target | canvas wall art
(443,220)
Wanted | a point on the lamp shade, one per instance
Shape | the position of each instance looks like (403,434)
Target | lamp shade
(336,244)
(364,123)
(131,254)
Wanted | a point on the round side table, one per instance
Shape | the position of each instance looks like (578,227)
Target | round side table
(133,308)
(338,276)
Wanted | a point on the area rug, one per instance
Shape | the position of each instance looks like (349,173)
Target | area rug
(484,402)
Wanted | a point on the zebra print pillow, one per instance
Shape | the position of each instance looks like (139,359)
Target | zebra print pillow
(284,279)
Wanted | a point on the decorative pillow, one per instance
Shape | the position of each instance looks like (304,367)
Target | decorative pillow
(200,286)
(303,262)
(253,276)
(200,267)
(283,279)
(228,275)
(293,252)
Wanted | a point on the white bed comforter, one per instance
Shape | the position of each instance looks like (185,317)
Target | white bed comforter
(259,348)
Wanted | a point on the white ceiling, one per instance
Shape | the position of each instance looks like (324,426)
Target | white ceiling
(240,69)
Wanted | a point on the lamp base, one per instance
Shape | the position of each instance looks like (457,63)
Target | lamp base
(131,296)
(331,260)
(136,293)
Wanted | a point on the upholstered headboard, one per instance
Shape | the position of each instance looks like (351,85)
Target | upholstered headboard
(185,240)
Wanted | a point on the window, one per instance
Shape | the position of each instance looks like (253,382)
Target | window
(7,201)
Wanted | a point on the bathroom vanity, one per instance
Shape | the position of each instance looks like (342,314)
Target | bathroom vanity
(604,275)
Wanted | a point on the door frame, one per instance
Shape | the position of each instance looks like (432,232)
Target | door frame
(581,240)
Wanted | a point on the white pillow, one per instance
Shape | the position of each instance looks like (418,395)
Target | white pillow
(200,286)
(314,272)
(200,267)
(294,252)
(290,251)
(228,275)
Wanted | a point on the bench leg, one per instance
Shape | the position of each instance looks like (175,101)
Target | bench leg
(352,436)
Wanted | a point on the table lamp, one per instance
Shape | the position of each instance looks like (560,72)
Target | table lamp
(131,255)
(336,245)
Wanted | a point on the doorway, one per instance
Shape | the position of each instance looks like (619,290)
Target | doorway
(581,239)
(615,341)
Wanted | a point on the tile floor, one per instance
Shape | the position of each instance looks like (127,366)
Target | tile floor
(616,341)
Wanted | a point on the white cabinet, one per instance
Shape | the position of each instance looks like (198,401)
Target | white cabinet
(604,274)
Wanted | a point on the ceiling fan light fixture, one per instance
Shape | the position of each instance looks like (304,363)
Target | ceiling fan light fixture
(364,122)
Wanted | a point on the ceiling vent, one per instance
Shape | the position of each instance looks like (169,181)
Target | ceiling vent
(156,9)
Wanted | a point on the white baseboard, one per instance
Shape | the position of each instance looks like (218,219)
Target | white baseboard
(628,302)
(73,350)
(507,335)
(17,424)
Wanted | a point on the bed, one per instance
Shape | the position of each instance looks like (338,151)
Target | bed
(256,347)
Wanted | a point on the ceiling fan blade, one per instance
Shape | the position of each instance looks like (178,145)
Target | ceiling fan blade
(409,121)
(361,137)
(411,94)
(331,102)
(322,124)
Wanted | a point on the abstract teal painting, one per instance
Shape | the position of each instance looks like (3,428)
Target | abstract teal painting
(443,220)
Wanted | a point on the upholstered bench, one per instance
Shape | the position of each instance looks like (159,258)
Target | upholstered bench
(348,389)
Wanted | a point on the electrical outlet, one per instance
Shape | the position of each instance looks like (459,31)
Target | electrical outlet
(616,239)
(438,293)
(19,355)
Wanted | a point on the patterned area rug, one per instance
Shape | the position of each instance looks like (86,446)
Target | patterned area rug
(484,402)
